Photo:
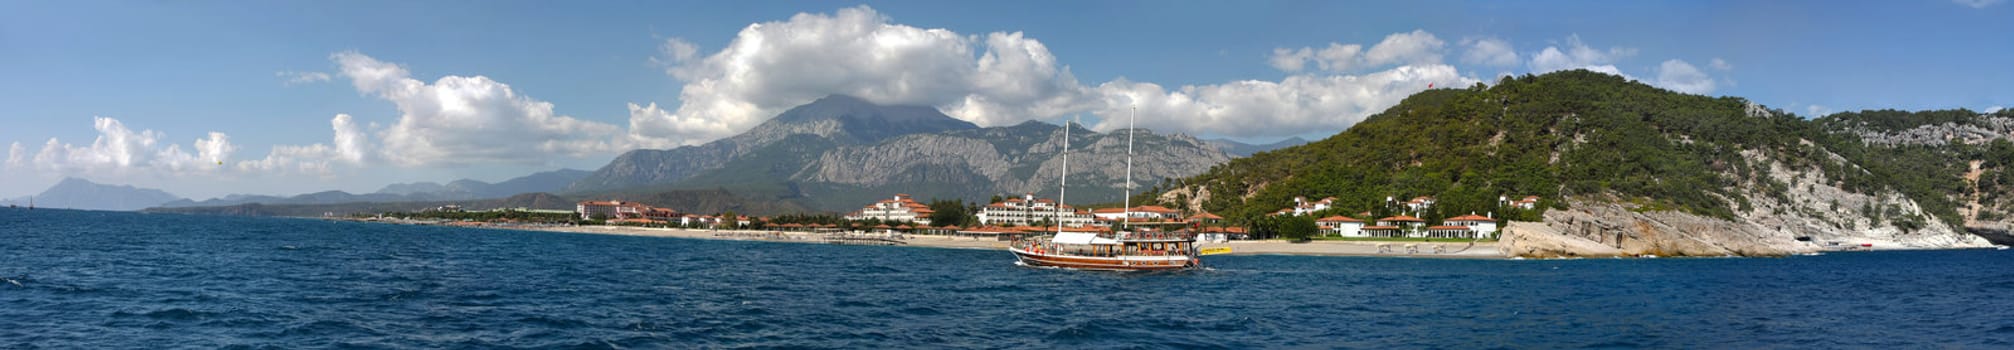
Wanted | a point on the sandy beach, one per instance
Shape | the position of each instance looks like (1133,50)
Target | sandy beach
(1483,250)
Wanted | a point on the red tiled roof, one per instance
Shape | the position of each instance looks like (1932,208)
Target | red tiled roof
(1402,218)
(1471,217)
(1207,216)
(1339,218)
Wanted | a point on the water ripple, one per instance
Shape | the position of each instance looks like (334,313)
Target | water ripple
(121,280)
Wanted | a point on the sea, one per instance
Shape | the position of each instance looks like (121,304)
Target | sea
(100,280)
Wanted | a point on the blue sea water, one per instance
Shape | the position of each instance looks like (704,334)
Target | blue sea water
(125,280)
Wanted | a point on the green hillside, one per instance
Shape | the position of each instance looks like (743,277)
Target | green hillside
(1575,134)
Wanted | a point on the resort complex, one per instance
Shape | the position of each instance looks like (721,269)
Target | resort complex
(1028,210)
(898,209)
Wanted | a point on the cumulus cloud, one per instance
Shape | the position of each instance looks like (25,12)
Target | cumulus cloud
(211,152)
(350,147)
(1721,65)
(459,120)
(296,78)
(1978,4)
(118,149)
(1412,48)
(992,79)
(1490,52)
(674,51)
(1680,76)
(1578,55)
(1263,108)
(17,155)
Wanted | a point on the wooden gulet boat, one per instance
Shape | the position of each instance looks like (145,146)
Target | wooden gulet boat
(1122,250)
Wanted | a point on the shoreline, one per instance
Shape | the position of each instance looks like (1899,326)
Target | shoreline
(1481,250)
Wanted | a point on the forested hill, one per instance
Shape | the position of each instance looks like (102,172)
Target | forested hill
(1568,137)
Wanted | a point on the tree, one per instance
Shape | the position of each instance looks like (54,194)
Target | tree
(1297,227)
(948,212)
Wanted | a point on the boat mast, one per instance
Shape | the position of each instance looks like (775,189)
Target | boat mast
(1064,188)
(1126,218)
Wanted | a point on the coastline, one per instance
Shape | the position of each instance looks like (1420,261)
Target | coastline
(1481,250)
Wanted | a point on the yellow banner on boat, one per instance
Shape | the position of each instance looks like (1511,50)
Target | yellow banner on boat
(1214,251)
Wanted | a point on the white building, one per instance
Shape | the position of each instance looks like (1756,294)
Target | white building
(1304,207)
(898,209)
(1029,210)
(1400,226)
(1527,203)
(1482,225)
(590,210)
(1342,226)
(1420,203)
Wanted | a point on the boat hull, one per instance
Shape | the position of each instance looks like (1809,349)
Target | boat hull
(1120,263)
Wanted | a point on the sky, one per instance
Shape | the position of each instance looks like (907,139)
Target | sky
(209,98)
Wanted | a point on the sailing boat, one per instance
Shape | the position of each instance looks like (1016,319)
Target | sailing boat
(1123,250)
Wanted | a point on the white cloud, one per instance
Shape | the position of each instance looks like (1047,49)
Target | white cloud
(1814,111)
(1680,76)
(350,148)
(673,52)
(211,152)
(17,155)
(1978,4)
(1412,48)
(1989,110)
(1490,52)
(1578,55)
(992,79)
(120,150)
(1721,64)
(459,120)
(295,78)
(1262,108)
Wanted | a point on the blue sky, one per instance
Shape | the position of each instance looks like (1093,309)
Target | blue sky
(586,81)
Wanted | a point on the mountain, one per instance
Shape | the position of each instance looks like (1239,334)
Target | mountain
(696,201)
(458,190)
(1240,149)
(550,181)
(1956,162)
(838,153)
(1622,168)
(75,193)
(828,122)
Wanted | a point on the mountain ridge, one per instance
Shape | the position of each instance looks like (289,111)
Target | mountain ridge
(1617,163)
(815,155)
(78,193)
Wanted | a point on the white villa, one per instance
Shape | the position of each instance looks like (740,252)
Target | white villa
(1420,203)
(1304,207)
(899,209)
(1527,203)
(1342,226)
(1480,224)
(1029,210)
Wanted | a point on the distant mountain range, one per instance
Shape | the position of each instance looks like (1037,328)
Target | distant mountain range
(1240,149)
(464,189)
(75,193)
(839,153)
